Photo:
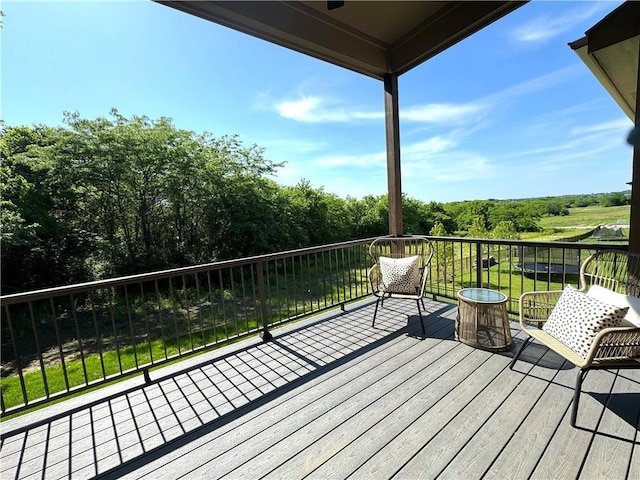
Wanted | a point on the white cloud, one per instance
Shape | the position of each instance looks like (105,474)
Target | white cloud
(364,160)
(450,167)
(602,127)
(427,147)
(534,85)
(442,113)
(368,115)
(288,145)
(572,153)
(313,109)
(464,166)
(544,27)
(414,151)
(319,110)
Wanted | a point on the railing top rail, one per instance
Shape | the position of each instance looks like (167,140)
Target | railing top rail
(145,277)
(529,243)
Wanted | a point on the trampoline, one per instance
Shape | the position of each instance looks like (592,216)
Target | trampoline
(547,268)
(547,261)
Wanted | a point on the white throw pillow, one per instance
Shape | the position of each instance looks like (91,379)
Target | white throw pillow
(632,318)
(577,318)
(400,275)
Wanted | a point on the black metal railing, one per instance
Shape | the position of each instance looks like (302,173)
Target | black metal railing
(509,266)
(61,340)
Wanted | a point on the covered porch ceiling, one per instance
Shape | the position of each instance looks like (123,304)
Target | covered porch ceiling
(369,37)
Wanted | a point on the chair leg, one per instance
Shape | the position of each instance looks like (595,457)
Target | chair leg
(522,347)
(576,395)
(424,332)
(375,312)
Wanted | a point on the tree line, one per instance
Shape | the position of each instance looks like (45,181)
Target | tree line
(97,198)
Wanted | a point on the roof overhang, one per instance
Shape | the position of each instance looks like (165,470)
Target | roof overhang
(369,37)
(610,50)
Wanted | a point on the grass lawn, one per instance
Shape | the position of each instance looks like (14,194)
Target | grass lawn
(588,217)
(579,221)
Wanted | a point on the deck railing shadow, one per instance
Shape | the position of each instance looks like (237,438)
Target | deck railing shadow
(387,318)
(116,434)
(620,404)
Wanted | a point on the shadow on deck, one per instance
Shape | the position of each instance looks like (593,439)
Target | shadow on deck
(332,397)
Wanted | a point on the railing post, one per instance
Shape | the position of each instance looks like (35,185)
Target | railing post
(262,300)
(479,265)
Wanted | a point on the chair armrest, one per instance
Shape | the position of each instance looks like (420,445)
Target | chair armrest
(617,344)
(375,278)
(535,307)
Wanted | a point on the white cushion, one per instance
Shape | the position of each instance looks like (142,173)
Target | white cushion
(632,318)
(577,318)
(400,275)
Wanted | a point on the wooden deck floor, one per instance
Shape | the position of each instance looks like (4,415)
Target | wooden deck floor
(334,398)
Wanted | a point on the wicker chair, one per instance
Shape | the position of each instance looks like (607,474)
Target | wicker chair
(612,348)
(400,248)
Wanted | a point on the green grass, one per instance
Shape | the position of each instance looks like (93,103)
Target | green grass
(111,363)
(588,217)
(208,324)
(554,235)
(500,277)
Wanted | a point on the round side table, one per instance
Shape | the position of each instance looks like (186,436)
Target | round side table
(482,320)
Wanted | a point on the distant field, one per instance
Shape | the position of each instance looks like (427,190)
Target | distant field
(589,217)
(579,220)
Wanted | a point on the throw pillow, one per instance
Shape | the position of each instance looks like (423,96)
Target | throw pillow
(577,318)
(400,275)
(632,318)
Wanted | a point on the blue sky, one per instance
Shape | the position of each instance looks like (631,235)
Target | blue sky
(510,112)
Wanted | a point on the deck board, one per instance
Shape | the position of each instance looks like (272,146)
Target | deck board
(570,446)
(608,456)
(330,398)
(523,450)
(495,434)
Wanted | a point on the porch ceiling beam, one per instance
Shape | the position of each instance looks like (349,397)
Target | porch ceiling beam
(298,27)
(372,38)
(453,23)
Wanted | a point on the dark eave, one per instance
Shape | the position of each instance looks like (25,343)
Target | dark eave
(610,50)
(368,37)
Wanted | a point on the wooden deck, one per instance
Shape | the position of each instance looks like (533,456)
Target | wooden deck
(331,398)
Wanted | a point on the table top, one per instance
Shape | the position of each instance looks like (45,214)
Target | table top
(482,295)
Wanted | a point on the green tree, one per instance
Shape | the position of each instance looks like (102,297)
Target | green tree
(614,199)
(43,239)
(369,217)
(505,230)
(119,195)
(323,216)
(478,228)
(443,251)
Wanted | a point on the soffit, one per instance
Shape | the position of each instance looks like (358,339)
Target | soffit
(369,37)
(610,50)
